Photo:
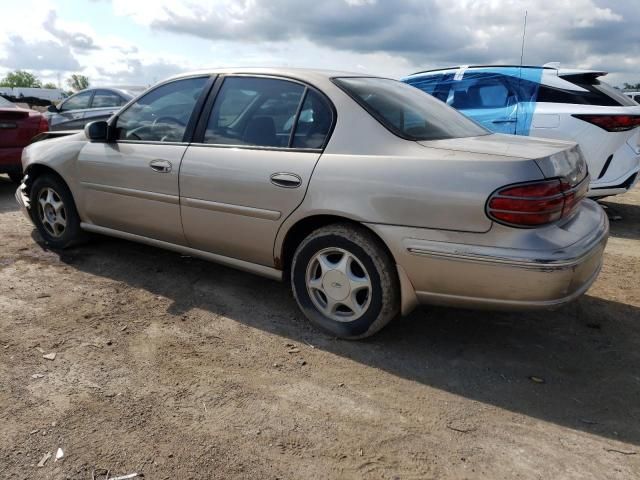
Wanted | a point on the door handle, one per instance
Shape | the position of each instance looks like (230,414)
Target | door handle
(286,180)
(505,120)
(160,166)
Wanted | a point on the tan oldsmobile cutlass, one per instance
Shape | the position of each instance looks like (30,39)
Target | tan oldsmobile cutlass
(367,194)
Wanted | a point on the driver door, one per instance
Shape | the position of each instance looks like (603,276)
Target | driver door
(130,183)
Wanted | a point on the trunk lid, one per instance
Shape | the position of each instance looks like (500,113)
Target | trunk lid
(555,158)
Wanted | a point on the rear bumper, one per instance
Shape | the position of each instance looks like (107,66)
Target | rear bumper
(10,159)
(481,276)
(619,176)
(624,187)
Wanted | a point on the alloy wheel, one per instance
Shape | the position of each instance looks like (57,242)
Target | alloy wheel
(338,284)
(51,212)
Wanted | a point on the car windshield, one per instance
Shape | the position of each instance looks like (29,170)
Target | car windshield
(408,112)
(4,103)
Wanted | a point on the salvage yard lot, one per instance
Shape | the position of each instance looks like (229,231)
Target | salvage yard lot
(179,368)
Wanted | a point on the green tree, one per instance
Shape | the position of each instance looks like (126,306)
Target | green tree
(632,86)
(78,82)
(20,78)
(50,85)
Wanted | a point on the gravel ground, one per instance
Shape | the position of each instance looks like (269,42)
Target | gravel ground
(179,369)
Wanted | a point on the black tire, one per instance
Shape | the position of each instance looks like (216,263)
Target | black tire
(15,177)
(65,237)
(382,298)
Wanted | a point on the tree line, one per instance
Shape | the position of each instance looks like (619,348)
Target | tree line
(24,79)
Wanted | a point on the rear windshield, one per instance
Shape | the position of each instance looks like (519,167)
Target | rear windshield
(597,93)
(408,112)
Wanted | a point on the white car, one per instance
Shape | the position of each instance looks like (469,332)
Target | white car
(550,102)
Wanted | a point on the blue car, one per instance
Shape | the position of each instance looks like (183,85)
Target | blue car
(549,102)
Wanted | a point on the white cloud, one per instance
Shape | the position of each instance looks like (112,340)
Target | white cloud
(151,38)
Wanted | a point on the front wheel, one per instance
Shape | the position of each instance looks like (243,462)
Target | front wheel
(345,282)
(54,212)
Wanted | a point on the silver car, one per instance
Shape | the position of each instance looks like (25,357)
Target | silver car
(367,195)
(88,106)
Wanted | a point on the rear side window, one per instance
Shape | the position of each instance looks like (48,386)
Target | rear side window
(254,111)
(597,93)
(269,112)
(162,114)
(407,111)
(77,102)
(314,122)
(106,98)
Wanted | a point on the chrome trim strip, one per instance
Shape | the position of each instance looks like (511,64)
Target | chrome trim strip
(542,264)
(256,147)
(230,208)
(261,270)
(130,192)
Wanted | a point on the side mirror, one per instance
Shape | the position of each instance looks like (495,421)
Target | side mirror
(52,108)
(97,131)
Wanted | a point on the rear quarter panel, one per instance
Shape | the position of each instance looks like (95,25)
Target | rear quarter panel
(369,175)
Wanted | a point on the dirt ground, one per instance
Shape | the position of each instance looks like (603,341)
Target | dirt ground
(181,369)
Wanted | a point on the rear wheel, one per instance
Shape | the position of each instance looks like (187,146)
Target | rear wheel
(54,212)
(345,282)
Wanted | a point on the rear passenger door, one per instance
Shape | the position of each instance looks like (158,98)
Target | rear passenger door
(254,150)
(486,98)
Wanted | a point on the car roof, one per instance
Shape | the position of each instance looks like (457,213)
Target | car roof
(131,90)
(561,72)
(303,74)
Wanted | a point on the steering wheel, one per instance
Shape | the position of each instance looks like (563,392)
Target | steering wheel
(170,120)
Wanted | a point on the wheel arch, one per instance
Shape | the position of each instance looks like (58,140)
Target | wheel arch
(35,170)
(297,232)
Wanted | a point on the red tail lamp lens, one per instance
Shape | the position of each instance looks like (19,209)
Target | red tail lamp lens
(612,123)
(535,204)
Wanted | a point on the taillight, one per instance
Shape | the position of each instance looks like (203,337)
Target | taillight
(612,123)
(43,126)
(535,204)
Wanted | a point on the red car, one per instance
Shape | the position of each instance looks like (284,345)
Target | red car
(17,127)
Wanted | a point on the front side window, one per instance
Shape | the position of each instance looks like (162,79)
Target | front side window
(77,102)
(254,112)
(407,111)
(162,114)
(106,98)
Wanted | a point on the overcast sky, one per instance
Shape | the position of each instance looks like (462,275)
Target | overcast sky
(142,42)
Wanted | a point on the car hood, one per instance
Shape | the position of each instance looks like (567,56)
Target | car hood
(504,145)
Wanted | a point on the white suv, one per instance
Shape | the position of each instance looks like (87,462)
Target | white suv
(550,102)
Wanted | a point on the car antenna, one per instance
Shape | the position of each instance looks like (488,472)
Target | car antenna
(524,35)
